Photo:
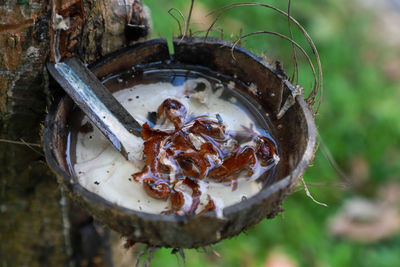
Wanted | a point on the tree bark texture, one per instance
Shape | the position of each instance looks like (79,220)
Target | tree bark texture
(33,216)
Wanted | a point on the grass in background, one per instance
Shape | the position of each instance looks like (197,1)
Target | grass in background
(358,120)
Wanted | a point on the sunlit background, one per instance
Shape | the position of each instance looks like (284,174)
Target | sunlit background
(359,125)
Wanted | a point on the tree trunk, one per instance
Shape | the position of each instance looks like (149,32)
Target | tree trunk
(34,224)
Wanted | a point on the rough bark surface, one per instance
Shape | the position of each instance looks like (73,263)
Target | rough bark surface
(33,230)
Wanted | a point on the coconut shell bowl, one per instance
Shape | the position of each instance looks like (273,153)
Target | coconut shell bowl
(294,133)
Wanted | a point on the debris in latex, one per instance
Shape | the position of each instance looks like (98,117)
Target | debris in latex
(196,151)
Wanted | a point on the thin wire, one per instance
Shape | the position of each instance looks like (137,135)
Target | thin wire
(30,146)
(318,84)
(281,36)
(327,154)
(188,20)
(19,142)
(177,20)
(309,194)
(295,66)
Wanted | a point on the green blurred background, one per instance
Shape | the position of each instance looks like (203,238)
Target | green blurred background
(358,122)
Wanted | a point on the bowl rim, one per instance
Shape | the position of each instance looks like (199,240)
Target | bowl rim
(47,140)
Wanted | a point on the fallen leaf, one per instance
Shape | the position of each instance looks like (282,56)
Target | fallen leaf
(365,221)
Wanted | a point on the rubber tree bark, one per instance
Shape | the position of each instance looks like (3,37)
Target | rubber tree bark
(34,222)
